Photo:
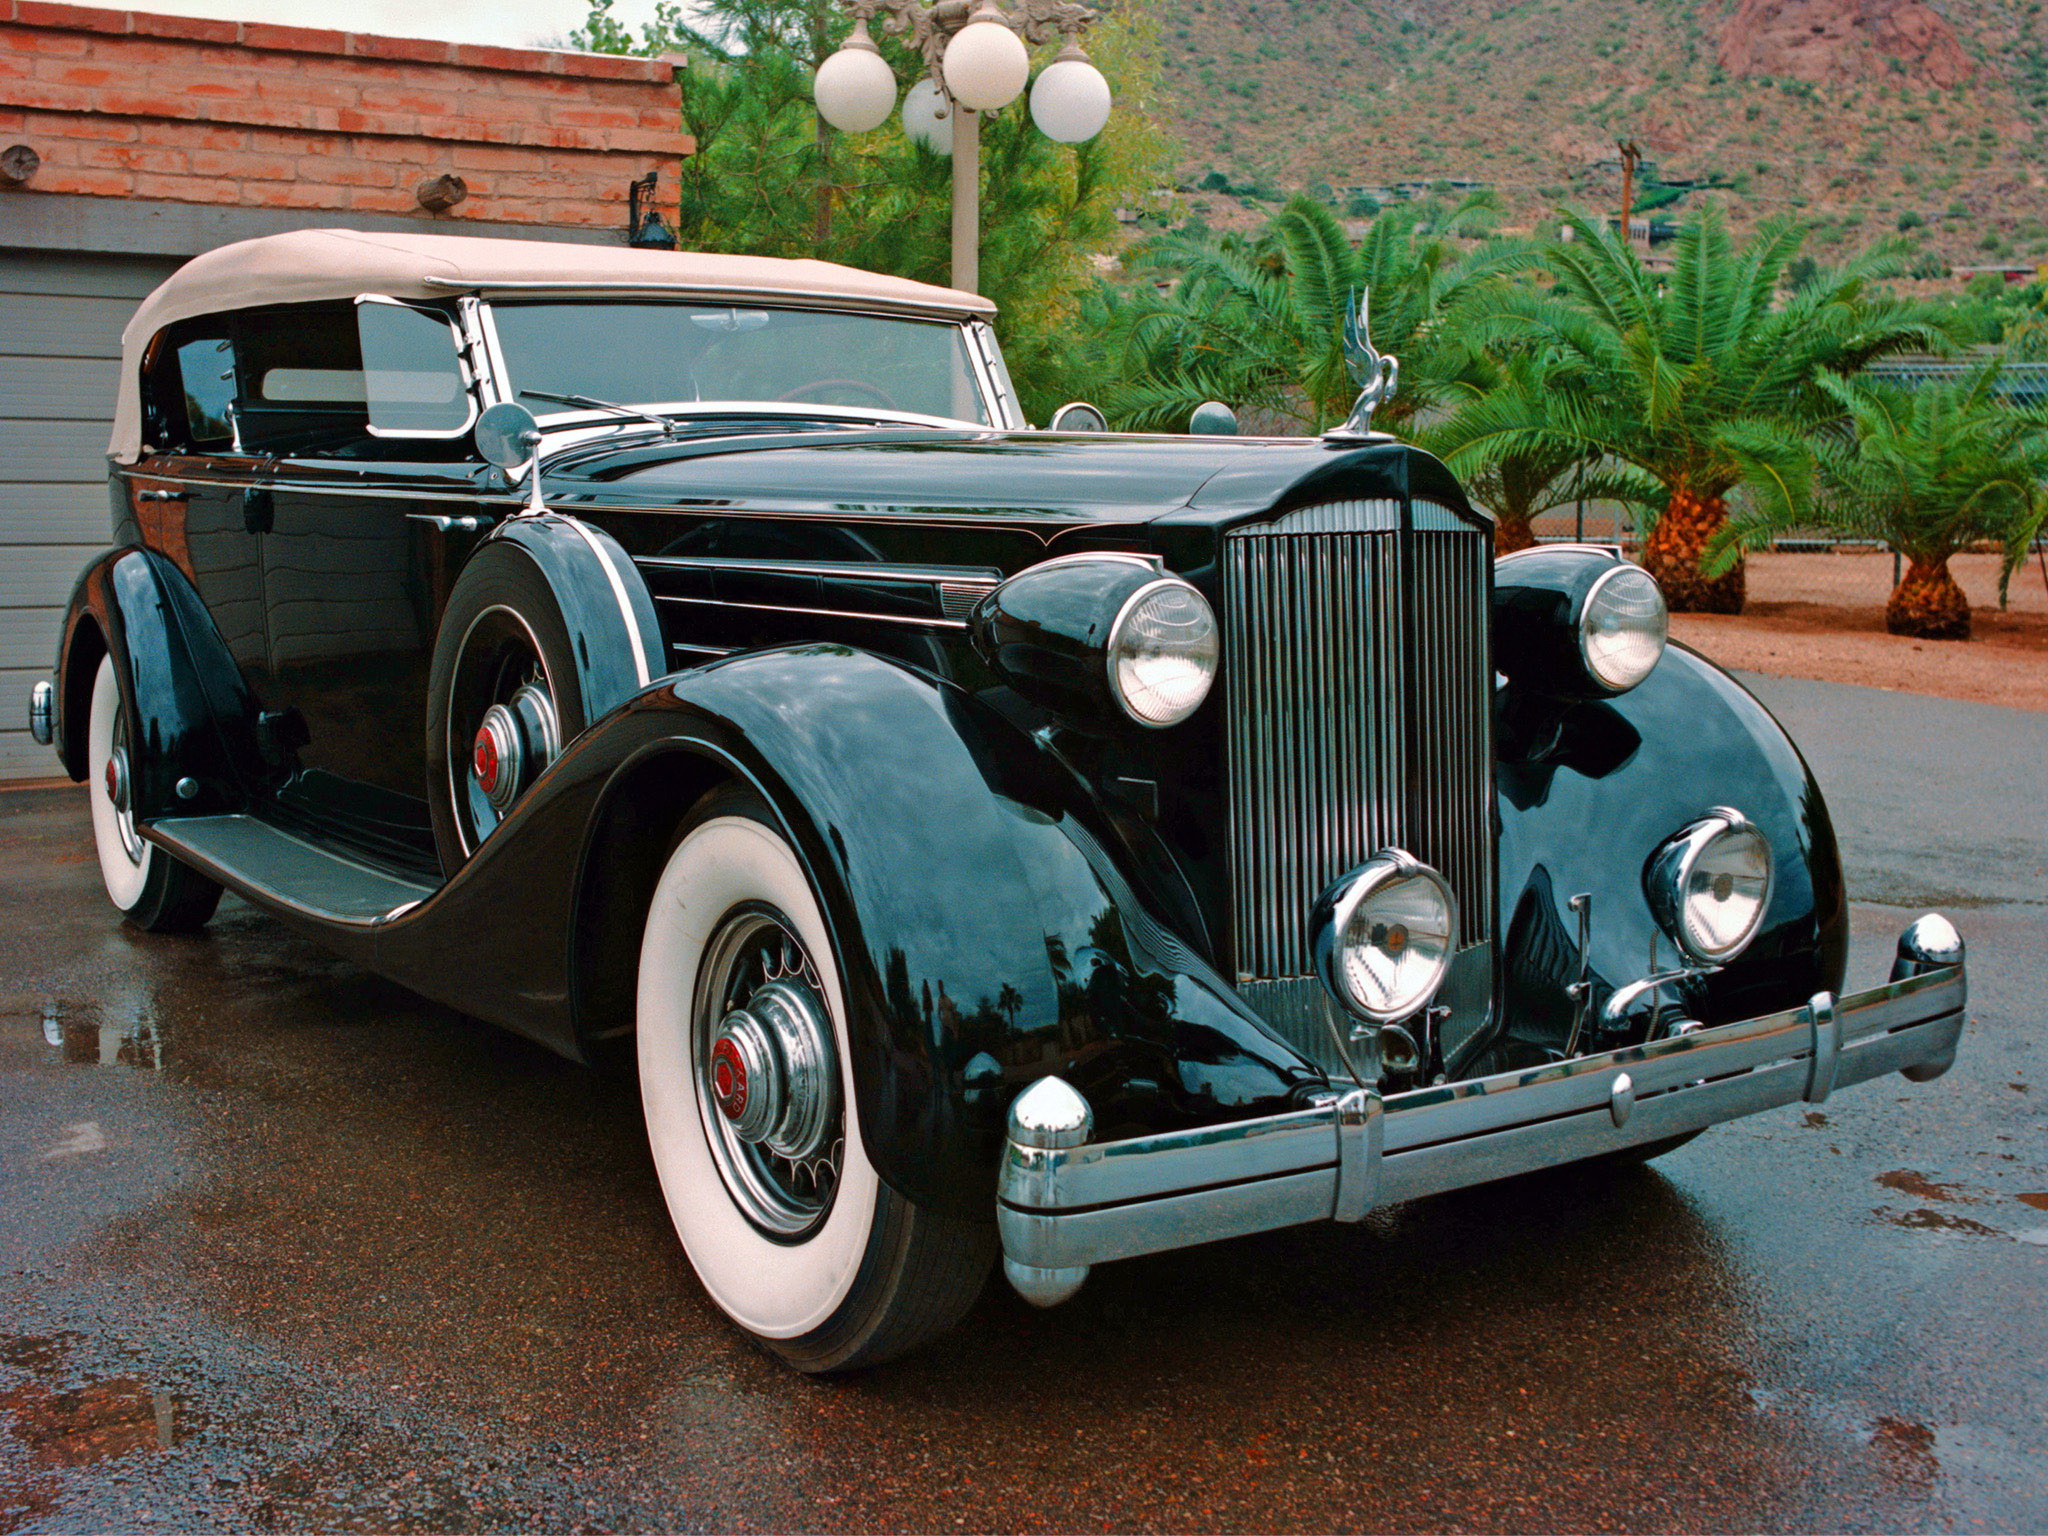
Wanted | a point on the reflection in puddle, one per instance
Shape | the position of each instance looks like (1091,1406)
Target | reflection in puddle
(54,1419)
(124,1027)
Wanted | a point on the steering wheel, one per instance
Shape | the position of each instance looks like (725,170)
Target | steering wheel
(804,391)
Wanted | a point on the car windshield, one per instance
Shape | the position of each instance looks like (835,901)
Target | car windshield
(657,353)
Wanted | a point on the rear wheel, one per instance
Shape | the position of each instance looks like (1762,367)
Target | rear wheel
(502,699)
(743,1073)
(152,890)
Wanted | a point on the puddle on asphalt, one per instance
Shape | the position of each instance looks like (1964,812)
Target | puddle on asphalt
(124,1029)
(56,1418)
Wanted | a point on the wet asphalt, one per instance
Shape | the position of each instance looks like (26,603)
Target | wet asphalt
(283,1247)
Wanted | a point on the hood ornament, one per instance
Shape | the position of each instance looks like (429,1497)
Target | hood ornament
(1376,375)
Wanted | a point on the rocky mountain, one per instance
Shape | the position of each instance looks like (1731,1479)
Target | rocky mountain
(1916,118)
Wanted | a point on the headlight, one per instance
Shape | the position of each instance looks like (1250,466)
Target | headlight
(1622,627)
(1384,934)
(1575,621)
(1162,653)
(1710,884)
(1105,639)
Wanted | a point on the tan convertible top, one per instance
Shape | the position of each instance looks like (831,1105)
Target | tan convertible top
(314,264)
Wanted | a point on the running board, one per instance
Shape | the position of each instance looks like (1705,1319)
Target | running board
(278,869)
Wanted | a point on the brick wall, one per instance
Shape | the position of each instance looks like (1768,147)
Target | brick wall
(127,104)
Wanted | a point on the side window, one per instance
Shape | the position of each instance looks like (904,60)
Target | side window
(301,376)
(414,382)
(206,379)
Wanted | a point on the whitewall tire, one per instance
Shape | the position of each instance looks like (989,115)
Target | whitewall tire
(152,890)
(744,1076)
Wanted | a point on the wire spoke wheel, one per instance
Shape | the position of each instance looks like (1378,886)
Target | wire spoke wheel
(767,1073)
(503,726)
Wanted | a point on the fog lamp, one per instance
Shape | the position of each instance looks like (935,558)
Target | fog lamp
(1709,885)
(1384,934)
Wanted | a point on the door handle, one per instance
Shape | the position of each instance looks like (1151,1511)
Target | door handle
(445,524)
(259,513)
(163,495)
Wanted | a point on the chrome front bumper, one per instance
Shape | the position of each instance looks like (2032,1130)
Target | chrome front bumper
(1064,1203)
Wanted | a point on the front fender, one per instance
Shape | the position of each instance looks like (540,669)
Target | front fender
(985,935)
(1584,812)
(190,712)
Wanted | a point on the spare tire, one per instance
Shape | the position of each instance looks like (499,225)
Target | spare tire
(503,698)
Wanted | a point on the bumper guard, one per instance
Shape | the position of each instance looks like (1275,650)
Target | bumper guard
(1064,1203)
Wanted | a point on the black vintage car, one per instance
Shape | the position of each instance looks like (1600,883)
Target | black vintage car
(1072,845)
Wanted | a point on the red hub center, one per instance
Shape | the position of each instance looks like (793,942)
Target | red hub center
(729,1079)
(483,761)
(113,781)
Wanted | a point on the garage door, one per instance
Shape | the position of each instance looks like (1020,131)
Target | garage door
(60,344)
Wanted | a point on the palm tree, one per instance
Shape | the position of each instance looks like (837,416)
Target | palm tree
(1258,324)
(1518,484)
(1927,471)
(1698,377)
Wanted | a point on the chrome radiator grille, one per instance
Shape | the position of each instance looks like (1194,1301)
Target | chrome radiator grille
(1359,718)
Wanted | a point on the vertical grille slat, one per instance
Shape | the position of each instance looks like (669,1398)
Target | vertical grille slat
(1359,718)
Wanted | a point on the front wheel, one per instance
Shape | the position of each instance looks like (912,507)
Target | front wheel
(153,890)
(749,1101)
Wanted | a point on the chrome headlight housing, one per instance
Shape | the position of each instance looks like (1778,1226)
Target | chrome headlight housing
(1709,885)
(1623,624)
(1384,935)
(1576,621)
(1106,639)
(1163,650)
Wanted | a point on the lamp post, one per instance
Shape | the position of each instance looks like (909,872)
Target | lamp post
(975,61)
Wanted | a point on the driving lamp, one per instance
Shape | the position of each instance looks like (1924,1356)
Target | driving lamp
(1384,935)
(1709,885)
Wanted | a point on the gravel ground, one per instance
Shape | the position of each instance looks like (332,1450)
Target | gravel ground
(1822,617)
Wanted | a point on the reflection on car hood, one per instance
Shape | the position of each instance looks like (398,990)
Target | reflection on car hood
(1081,476)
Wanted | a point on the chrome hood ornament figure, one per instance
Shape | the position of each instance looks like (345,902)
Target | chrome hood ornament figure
(1376,375)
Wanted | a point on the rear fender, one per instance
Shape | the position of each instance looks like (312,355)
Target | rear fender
(985,935)
(190,712)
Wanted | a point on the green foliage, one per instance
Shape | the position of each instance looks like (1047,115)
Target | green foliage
(1702,378)
(769,178)
(1927,471)
(1258,323)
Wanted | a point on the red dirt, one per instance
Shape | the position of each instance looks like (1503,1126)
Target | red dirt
(1822,616)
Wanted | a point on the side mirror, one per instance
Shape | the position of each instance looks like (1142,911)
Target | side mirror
(509,437)
(1212,418)
(1078,416)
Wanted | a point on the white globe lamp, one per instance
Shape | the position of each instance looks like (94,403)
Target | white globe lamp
(1070,101)
(986,66)
(928,117)
(855,88)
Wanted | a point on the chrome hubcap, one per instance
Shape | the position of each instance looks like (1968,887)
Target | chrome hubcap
(768,1073)
(503,730)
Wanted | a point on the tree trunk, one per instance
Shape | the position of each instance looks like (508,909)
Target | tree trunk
(1928,604)
(1511,531)
(1672,555)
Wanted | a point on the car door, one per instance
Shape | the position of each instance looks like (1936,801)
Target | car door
(364,532)
(196,499)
